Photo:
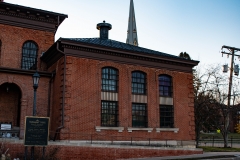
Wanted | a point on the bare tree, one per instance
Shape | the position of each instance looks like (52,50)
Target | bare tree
(203,101)
(211,95)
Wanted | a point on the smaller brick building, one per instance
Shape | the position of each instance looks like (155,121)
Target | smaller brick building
(113,88)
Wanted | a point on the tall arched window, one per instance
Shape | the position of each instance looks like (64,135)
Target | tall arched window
(29,55)
(109,79)
(109,109)
(138,82)
(165,85)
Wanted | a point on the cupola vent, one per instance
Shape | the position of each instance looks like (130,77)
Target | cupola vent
(103,29)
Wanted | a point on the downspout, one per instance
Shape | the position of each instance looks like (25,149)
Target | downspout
(63,96)
(49,92)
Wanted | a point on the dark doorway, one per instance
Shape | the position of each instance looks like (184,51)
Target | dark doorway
(10,104)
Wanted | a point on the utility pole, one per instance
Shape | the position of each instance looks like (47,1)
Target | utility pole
(232,51)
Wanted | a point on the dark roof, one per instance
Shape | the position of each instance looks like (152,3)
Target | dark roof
(119,45)
(16,6)
(110,50)
(27,12)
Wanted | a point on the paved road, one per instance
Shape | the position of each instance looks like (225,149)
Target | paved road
(199,156)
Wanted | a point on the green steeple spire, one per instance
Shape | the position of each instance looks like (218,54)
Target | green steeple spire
(132,28)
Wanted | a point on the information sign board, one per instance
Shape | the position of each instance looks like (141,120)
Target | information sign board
(36,131)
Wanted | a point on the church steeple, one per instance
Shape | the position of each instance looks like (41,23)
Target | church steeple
(132,29)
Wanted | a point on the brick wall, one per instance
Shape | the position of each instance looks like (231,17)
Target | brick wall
(12,39)
(99,153)
(83,100)
(23,84)
(57,96)
(21,102)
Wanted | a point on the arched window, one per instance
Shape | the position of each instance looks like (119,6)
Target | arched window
(165,85)
(29,55)
(109,79)
(138,82)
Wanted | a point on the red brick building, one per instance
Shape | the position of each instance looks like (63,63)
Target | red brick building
(112,88)
(91,87)
(25,34)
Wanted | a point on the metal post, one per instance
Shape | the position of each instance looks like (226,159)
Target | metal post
(34,102)
(43,152)
(34,114)
(32,153)
(35,86)
(26,151)
(213,142)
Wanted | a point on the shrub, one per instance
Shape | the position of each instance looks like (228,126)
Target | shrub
(237,128)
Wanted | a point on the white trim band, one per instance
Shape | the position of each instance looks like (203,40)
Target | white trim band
(99,128)
(130,129)
(175,130)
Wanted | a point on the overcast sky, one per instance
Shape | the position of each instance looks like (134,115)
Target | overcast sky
(198,27)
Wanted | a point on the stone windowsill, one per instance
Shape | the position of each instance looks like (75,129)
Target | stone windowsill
(175,130)
(99,128)
(130,129)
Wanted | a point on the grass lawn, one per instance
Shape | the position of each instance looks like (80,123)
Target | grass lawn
(219,149)
(218,135)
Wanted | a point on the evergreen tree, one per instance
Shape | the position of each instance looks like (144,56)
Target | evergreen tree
(184,55)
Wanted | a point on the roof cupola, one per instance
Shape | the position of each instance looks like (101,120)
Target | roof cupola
(103,28)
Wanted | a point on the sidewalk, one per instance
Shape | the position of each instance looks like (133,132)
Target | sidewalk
(205,156)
